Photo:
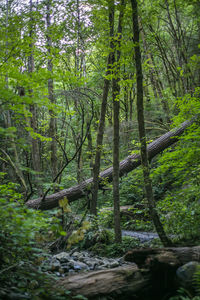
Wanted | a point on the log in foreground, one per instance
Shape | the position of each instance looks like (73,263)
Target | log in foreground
(163,265)
(172,257)
(117,281)
(150,275)
(128,164)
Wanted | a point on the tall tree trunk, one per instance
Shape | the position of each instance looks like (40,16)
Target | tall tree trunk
(8,121)
(99,141)
(78,50)
(90,148)
(116,112)
(52,123)
(142,135)
(35,153)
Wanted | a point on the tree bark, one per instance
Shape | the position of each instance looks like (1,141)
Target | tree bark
(113,282)
(174,256)
(162,265)
(99,141)
(130,163)
(142,134)
(152,273)
(116,137)
(52,123)
(35,150)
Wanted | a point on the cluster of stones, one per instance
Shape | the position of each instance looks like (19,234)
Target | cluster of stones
(69,263)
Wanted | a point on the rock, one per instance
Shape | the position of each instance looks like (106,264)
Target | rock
(65,268)
(71,272)
(62,257)
(114,264)
(186,272)
(91,264)
(61,271)
(67,263)
(55,265)
(71,263)
(80,266)
(76,254)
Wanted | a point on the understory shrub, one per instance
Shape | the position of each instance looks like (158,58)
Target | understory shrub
(23,232)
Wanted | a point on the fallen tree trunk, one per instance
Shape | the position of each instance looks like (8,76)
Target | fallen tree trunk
(128,164)
(113,282)
(173,257)
(130,212)
(163,265)
(151,275)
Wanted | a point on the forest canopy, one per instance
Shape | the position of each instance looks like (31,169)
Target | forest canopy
(86,86)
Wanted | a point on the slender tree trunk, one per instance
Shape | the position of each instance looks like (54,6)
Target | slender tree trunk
(35,153)
(99,141)
(8,121)
(142,134)
(90,148)
(52,123)
(79,165)
(131,99)
(77,58)
(116,144)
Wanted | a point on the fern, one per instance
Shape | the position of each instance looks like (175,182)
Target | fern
(196,280)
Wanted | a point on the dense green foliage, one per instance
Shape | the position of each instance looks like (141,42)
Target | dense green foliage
(49,120)
(22,235)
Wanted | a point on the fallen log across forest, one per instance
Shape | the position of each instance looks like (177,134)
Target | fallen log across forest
(150,274)
(128,164)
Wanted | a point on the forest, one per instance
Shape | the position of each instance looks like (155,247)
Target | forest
(100,149)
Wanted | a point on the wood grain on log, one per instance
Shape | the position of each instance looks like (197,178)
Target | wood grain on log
(116,281)
(168,256)
(154,275)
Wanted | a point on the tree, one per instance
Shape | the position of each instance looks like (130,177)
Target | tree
(56,66)
(142,135)
(126,165)
(52,123)
(99,140)
(35,151)
(116,121)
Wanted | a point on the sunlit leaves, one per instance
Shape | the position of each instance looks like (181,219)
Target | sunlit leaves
(64,204)
(36,135)
(78,235)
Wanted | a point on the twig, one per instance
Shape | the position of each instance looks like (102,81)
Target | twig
(6,269)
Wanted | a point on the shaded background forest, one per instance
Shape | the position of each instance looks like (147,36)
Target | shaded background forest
(54,64)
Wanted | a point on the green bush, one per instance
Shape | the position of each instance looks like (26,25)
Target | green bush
(22,232)
(101,241)
(181,212)
(112,249)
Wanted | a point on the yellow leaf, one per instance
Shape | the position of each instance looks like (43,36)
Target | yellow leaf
(65,205)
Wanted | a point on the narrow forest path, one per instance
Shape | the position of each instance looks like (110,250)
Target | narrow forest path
(142,236)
